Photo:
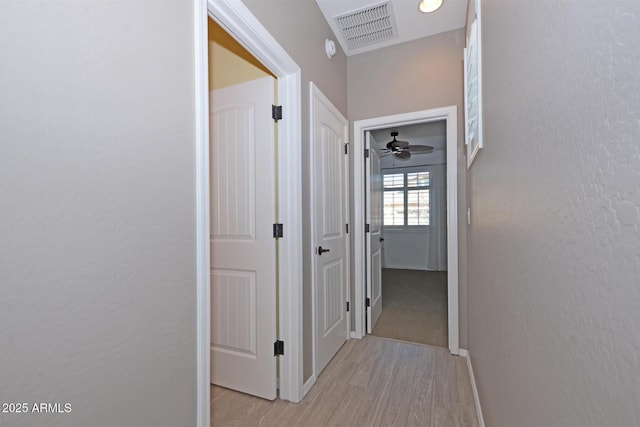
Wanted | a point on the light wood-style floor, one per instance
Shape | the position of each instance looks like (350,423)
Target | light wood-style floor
(370,382)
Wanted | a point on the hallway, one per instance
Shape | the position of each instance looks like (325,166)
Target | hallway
(370,382)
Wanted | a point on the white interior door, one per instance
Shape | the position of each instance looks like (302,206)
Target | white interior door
(374,237)
(330,213)
(243,260)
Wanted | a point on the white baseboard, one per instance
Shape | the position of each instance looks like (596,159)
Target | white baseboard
(465,353)
(355,335)
(307,386)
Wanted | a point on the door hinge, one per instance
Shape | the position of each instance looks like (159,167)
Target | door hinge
(366,153)
(277,231)
(367,302)
(276,112)
(278,348)
(347,227)
(367,227)
(347,305)
(346,148)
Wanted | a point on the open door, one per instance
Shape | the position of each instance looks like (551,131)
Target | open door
(330,212)
(243,250)
(374,236)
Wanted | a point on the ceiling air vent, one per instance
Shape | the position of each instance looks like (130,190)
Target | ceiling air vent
(366,27)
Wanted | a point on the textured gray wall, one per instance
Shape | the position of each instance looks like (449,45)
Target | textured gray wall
(97,247)
(418,75)
(554,244)
(300,28)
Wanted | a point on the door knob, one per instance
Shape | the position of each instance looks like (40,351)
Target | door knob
(382,239)
(321,251)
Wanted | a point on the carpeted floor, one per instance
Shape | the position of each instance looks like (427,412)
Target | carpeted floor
(414,307)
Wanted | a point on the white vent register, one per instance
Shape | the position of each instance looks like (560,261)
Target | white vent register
(366,27)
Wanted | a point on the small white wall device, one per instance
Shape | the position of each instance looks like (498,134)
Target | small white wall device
(330,48)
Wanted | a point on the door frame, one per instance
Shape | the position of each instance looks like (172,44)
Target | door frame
(368,276)
(242,25)
(450,114)
(316,93)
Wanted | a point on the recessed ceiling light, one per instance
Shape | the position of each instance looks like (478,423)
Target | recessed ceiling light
(428,6)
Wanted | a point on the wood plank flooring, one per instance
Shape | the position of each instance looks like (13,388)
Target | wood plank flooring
(370,382)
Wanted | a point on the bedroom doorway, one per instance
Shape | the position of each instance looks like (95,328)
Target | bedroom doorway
(363,223)
(409,187)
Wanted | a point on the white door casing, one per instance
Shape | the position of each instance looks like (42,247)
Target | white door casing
(330,264)
(374,237)
(243,260)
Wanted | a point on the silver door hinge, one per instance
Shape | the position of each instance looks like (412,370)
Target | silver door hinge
(366,153)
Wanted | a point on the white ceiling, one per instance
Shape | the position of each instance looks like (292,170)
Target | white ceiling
(410,23)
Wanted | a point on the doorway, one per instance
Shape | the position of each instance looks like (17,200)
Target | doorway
(242,210)
(408,186)
(362,194)
(238,21)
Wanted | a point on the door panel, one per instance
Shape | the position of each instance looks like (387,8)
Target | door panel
(374,237)
(233,299)
(331,286)
(243,273)
(330,209)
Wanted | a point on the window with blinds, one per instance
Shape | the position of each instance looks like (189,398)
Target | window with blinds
(406,199)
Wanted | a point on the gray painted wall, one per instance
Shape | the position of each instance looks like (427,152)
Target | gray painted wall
(554,244)
(418,75)
(97,254)
(300,28)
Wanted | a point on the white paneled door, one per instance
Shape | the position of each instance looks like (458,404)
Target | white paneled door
(243,257)
(374,237)
(330,213)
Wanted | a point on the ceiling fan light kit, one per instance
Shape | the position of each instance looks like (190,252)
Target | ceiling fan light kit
(402,149)
(391,145)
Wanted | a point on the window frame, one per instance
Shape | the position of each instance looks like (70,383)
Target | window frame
(405,190)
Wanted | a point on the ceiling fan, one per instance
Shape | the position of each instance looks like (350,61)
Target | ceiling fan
(403,150)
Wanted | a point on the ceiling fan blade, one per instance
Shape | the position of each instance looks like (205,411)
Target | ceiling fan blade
(403,155)
(420,149)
